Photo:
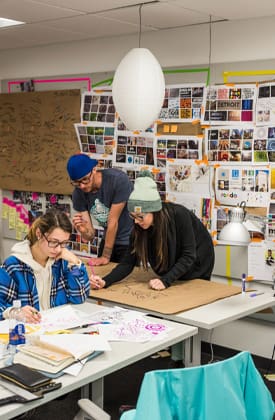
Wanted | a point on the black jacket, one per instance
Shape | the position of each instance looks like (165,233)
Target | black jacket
(190,250)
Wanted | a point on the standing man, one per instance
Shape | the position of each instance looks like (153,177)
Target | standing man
(102,194)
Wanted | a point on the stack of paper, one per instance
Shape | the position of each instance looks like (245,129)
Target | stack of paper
(53,353)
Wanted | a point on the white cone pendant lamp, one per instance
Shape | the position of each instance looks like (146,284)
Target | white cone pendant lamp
(138,89)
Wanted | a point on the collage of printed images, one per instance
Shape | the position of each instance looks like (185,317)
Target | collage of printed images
(135,150)
(184,147)
(182,103)
(230,104)
(227,144)
(98,108)
(35,204)
(96,139)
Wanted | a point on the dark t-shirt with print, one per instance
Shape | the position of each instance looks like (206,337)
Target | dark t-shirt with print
(115,188)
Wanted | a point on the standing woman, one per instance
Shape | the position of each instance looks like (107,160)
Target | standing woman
(41,271)
(167,236)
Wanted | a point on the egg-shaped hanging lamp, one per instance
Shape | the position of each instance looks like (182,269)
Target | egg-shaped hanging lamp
(138,89)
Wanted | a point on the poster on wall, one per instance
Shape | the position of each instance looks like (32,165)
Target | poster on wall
(230,144)
(177,147)
(183,177)
(98,106)
(97,139)
(265,105)
(230,104)
(261,260)
(134,149)
(236,184)
(183,102)
(264,144)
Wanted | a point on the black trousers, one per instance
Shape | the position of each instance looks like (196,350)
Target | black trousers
(118,253)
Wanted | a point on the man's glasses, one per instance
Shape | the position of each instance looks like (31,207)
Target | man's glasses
(139,217)
(55,244)
(85,180)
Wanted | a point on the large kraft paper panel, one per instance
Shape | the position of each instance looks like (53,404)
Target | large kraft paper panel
(37,137)
(181,296)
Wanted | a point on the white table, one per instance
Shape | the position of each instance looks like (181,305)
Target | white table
(121,355)
(215,314)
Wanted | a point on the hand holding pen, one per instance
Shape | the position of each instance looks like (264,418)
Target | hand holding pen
(31,315)
(96,282)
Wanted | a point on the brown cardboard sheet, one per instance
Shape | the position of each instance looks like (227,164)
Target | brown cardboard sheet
(182,296)
(37,137)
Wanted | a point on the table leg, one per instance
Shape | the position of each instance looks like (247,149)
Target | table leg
(85,391)
(97,394)
(192,351)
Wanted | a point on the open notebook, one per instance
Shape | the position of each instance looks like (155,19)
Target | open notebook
(53,353)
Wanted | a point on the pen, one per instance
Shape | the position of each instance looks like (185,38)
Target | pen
(243,283)
(95,323)
(256,294)
(92,267)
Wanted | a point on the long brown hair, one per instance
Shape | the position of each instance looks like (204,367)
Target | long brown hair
(159,231)
(49,221)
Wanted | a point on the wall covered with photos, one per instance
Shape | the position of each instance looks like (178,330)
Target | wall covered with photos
(211,148)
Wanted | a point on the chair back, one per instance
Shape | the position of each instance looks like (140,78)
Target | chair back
(226,390)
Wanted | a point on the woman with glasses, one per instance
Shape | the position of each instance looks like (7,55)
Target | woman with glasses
(167,236)
(41,271)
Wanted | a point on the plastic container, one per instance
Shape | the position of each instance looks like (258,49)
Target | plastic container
(16,330)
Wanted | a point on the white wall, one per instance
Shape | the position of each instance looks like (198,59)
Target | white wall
(232,42)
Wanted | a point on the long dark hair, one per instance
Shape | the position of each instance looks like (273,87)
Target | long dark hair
(49,221)
(159,231)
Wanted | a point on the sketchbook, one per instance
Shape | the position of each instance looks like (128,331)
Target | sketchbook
(53,353)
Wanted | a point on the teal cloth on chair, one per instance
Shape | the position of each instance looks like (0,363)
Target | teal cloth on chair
(232,389)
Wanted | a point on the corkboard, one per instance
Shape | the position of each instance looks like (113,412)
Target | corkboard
(37,137)
(182,296)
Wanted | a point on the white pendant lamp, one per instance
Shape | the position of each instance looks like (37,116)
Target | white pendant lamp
(138,88)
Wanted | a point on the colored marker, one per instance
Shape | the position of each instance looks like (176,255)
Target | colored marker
(95,323)
(243,283)
(256,294)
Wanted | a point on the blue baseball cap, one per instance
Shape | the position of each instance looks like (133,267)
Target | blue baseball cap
(80,165)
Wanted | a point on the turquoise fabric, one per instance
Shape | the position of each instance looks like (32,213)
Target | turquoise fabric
(231,389)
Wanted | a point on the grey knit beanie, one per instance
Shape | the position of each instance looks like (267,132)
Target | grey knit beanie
(145,197)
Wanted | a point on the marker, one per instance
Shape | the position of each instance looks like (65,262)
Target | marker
(90,263)
(243,283)
(256,294)
(95,323)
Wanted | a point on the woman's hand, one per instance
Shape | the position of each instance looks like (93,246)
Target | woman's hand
(156,284)
(69,256)
(31,315)
(96,282)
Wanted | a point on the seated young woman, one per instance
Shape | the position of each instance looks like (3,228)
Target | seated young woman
(41,271)
(166,236)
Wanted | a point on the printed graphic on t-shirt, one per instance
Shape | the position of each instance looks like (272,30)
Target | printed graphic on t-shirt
(100,212)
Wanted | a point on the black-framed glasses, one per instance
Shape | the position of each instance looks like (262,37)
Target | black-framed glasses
(85,180)
(55,244)
(138,217)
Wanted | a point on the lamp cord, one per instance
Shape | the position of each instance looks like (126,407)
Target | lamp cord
(210,46)
(139,33)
